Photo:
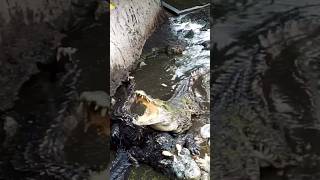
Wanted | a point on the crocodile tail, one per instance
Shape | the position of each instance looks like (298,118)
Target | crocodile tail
(121,166)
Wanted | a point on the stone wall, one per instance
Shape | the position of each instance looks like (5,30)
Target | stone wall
(131,23)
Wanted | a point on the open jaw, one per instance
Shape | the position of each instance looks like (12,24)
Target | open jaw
(153,113)
(95,106)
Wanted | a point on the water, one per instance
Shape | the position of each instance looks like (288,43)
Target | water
(164,69)
(162,72)
(194,55)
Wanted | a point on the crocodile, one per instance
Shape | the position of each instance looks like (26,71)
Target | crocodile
(175,115)
(152,149)
(265,94)
(38,149)
(136,144)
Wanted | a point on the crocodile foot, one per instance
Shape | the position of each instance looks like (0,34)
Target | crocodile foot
(183,164)
(189,142)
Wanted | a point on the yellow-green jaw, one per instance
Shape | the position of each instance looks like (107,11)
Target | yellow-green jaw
(155,115)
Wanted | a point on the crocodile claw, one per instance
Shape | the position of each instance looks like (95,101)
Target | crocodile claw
(191,144)
(194,149)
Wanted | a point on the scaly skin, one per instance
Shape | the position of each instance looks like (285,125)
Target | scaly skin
(266,99)
(174,115)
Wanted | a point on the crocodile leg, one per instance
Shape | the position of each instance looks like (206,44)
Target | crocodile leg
(187,140)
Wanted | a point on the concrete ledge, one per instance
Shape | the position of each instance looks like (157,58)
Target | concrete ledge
(131,24)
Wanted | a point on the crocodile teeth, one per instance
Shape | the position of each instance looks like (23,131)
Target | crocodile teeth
(193,74)
(113,101)
(175,159)
(179,148)
(96,107)
(103,112)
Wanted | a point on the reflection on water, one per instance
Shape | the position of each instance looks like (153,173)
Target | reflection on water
(88,148)
(195,54)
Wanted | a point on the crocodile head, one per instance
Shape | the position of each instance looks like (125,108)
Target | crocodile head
(155,114)
(95,105)
(152,109)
